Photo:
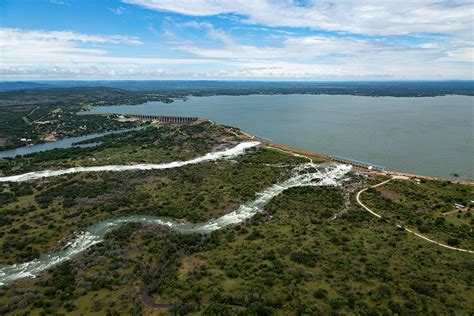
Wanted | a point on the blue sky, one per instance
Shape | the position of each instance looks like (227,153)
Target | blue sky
(236,39)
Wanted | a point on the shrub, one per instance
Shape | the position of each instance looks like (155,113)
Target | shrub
(320,293)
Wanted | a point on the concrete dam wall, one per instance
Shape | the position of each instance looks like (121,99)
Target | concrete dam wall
(166,119)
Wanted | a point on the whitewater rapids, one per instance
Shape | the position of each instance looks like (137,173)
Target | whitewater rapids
(308,174)
(213,156)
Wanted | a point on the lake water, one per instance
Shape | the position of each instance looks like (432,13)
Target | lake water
(428,136)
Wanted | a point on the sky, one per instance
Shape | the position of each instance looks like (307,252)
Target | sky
(237,39)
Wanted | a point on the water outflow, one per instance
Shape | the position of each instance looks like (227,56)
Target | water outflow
(308,174)
(217,155)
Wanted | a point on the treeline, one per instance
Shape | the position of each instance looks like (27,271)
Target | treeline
(180,88)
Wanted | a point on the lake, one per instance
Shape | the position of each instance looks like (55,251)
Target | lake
(429,136)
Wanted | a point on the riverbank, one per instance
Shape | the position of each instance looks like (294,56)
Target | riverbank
(66,142)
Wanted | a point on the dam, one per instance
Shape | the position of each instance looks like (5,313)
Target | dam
(165,119)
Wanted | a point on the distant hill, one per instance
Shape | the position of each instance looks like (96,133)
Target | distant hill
(216,87)
(15,85)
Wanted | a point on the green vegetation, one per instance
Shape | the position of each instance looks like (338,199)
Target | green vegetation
(36,215)
(31,112)
(428,207)
(149,145)
(304,264)
(292,259)
(30,116)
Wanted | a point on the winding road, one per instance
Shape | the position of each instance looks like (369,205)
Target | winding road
(399,226)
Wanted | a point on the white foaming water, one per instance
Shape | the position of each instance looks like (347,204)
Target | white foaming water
(308,174)
(330,176)
(224,154)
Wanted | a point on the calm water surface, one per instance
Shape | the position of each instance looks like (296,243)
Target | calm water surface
(62,143)
(429,136)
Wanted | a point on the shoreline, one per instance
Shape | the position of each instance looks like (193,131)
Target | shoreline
(267,143)
(391,173)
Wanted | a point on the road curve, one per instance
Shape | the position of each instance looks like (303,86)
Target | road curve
(399,226)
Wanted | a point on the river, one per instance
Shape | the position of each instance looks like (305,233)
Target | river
(62,143)
(308,174)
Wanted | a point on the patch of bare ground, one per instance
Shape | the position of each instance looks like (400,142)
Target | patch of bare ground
(394,196)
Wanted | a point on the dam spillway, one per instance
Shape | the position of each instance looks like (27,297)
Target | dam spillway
(165,119)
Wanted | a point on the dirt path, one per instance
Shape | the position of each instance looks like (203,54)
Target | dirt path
(399,226)
(456,211)
(149,301)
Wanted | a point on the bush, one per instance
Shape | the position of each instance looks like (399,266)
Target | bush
(304,257)
(424,229)
(453,242)
(320,293)
(216,309)
(233,273)
(259,309)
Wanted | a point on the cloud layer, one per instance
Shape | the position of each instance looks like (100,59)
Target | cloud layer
(354,16)
(281,39)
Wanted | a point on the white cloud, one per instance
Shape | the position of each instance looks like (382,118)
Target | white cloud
(38,46)
(354,16)
(117,10)
(333,56)
(465,54)
(298,46)
(58,54)
(20,47)
(36,54)
(317,46)
(58,2)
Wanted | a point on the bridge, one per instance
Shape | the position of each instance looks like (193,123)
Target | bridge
(262,139)
(166,119)
(358,163)
(353,162)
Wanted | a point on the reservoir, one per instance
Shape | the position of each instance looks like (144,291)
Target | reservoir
(428,136)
